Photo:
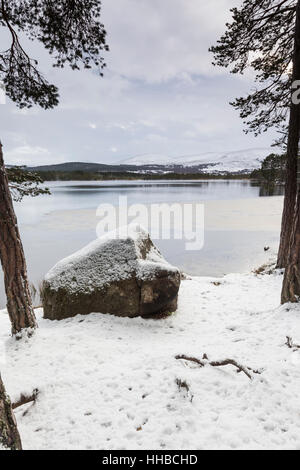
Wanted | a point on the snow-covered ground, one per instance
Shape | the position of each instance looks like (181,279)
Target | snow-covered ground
(110,383)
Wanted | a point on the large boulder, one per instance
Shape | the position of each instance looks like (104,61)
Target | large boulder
(122,274)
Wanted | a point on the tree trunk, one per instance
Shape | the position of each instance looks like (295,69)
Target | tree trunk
(290,197)
(19,304)
(9,435)
(292,161)
(291,282)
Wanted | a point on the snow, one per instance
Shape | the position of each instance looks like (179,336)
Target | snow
(113,257)
(233,161)
(148,159)
(110,383)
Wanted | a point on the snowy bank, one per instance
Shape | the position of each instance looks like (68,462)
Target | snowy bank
(112,383)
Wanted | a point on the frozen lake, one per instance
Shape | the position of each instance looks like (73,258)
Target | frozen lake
(240,220)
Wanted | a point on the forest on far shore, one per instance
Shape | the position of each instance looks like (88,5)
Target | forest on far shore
(272,171)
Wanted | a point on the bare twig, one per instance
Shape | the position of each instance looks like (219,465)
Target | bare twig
(290,344)
(226,362)
(24,399)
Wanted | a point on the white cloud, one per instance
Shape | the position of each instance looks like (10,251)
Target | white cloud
(162,40)
(25,155)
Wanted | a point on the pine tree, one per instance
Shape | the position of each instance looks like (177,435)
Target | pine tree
(73,35)
(262,37)
(291,283)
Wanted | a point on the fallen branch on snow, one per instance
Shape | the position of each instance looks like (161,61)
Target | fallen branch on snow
(290,343)
(24,399)
(226,362)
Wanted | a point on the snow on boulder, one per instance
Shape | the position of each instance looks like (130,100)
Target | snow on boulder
(121,273)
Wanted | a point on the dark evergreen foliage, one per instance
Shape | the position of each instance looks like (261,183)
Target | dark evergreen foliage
(273,169)
(261,37)
(25,183)
(69,29)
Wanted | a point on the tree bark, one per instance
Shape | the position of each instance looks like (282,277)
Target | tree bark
(289,199)
(19,304)
(291,282)
(292,161)
(9,435)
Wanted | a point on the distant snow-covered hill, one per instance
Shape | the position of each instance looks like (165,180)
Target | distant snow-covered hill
(235,161)
(148,159)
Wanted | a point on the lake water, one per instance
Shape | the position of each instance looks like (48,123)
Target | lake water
(241,218)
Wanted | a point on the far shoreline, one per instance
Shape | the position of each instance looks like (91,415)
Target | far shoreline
(128,176)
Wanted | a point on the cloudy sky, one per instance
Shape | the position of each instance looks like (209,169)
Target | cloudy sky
(160,94)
